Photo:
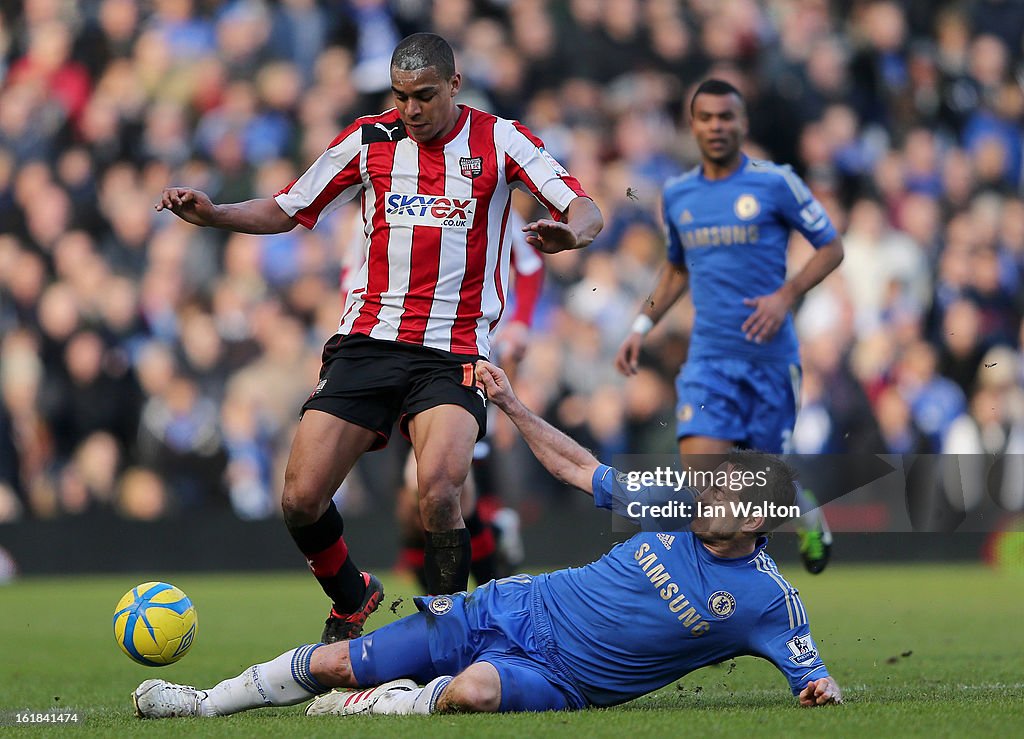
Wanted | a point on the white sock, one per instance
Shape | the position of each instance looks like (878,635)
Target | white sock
(421,700)
(283,681)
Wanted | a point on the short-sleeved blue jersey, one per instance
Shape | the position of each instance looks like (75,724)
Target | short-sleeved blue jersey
(732,235)
(660,605)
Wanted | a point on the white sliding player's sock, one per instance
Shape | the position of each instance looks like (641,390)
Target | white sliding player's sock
(283,681)
(421,700)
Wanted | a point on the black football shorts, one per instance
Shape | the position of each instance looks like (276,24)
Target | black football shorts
(373,383)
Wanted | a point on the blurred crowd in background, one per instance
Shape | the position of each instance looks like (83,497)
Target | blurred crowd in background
(150,367)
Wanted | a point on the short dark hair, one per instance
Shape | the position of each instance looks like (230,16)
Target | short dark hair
(716,86)
(779,486)
(422,50)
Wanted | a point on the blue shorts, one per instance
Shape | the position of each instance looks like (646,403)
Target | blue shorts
(492,624)
(751,404)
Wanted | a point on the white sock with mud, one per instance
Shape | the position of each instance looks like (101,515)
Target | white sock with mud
(283,681)
(421,700)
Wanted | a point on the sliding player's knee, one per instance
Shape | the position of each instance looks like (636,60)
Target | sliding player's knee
(472,692)
(331,666)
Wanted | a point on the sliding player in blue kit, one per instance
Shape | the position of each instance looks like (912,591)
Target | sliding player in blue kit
(728,223)
(560,641)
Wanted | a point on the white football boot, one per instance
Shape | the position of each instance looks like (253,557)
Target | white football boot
(346,702)
(161,699)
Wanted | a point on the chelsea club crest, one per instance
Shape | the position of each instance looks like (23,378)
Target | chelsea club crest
(440,605)
(746,207)
(721,604)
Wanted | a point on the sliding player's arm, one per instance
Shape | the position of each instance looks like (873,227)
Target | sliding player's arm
(572,464)
(783,637)
(561,456)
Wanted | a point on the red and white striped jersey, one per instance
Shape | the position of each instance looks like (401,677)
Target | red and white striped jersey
(435,222)
(527,268)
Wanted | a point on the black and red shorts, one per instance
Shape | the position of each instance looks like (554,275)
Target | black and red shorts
(373,383)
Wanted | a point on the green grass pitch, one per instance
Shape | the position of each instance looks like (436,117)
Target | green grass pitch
(923,650)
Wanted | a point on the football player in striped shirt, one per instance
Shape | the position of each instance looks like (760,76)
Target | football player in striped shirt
(656,607)
(434,181)
(494,536)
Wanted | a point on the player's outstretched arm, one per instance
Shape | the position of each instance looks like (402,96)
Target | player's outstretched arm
(770,311)
(673,282)
(821,692)
(259,216)
(583,222)
(560,455)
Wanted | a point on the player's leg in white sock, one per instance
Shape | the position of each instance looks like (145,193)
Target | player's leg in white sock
(283,681)
(419,701)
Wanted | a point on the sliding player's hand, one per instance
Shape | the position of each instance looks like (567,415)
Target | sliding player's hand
(770,312)
(821,692)
(550,236)
(495,383)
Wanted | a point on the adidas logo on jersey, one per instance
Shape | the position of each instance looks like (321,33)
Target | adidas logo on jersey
(429,210)
(686,217)
(666,540)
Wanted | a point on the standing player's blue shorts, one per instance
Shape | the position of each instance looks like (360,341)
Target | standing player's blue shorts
(495,624)
(753,404)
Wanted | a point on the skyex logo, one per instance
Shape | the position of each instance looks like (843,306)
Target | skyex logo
(401,209)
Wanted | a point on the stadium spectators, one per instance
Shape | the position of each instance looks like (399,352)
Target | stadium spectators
(906,124)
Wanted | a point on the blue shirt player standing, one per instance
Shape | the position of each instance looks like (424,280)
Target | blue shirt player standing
(728,222)
(558,641)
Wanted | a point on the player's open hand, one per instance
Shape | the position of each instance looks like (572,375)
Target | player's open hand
(628,358)
(550,236)
(496,384)
(189,205)
(821,692)
(770,312)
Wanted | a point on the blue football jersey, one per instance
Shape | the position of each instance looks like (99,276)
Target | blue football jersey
(732,235)
(660,605)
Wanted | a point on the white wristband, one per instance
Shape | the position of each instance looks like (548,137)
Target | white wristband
(643,324)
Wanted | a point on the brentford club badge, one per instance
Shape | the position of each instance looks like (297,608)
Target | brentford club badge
(471,166)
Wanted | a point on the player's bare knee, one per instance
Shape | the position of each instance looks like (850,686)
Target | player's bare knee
(440,511)
(444,477)
(470,694)
(440,487)
(331,666)
(301,502)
